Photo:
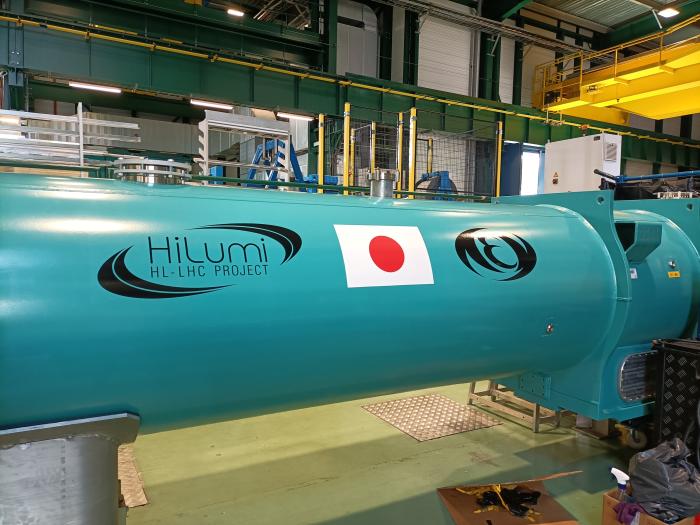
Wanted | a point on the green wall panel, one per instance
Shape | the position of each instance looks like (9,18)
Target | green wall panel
(667,155)
(515,128)
(56,52)
(175,73)
(317,96)
(486,116)
(694,158)
(5,41)
(396,103)
(70,10)
(274,90)
(225,81)
(458,119)
(429,114)
(537,133)
(364,104)
(560,132)
(648,151)
(134,65)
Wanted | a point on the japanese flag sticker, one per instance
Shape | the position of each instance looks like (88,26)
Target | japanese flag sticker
(384,255)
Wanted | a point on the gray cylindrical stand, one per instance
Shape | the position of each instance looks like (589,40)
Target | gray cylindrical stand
(63,473)
(381,184)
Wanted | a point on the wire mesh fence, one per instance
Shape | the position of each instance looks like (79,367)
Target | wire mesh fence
(455,155)
(457,162)
(371,145)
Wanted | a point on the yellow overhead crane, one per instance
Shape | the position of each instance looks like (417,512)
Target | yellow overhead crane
(607,85)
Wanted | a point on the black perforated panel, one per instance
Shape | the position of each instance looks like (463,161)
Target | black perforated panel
(678,389)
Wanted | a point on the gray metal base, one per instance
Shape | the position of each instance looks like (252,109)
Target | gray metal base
(63,473)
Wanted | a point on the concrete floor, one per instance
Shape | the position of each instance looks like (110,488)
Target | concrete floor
(339,465)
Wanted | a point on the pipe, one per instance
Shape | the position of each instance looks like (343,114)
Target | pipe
(355,189)
(678,174)
(622,179)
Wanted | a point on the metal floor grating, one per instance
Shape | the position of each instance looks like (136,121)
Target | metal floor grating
(430,416)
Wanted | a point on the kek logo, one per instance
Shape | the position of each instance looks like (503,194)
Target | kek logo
(495,254)
(208,255)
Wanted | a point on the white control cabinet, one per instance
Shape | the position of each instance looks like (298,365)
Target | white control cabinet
(569,164)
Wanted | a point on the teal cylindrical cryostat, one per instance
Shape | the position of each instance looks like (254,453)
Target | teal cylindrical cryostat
(187,304)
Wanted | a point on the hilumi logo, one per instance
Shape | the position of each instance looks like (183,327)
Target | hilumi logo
(180,257)
(478,248)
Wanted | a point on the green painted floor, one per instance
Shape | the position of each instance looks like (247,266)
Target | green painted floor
(339,465)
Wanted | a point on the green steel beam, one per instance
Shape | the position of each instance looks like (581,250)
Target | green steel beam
(175,10)
(177,22)
(178,109)
(385,17)
(560,30)
(502,9)
(518,58)
(330,35)
(410,48)
(646,25)
(489,67)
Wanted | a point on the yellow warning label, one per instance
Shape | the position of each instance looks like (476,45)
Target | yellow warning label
(674,275)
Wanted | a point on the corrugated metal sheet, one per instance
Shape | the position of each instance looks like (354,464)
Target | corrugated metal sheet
(606,12)
(445,56)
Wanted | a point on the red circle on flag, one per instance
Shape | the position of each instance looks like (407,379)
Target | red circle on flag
(386,253)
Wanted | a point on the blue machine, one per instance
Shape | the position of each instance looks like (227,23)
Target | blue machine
(216,171)
(279,145)
(444,183)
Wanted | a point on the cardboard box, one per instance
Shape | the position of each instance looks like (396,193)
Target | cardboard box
(610,501)
(464,508)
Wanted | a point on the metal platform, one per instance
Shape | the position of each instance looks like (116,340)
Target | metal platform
(430,416)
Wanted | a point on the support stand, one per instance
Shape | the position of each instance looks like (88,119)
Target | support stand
(500,399)
(63,473)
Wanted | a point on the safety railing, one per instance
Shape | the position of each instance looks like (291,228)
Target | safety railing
(65,140)
(563,78)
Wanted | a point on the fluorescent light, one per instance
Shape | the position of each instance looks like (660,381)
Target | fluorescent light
(293,116)
(95,87)
(207,104)
(668,12)
(10,120)
(235,12)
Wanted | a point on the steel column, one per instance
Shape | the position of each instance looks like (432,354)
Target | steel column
(346,148)
(413,135)
(321,151)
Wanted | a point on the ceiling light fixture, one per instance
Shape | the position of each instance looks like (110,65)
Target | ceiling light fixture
(668,12)
(294,116)
(235,12)
(95,87)
(9,120)
(208,104)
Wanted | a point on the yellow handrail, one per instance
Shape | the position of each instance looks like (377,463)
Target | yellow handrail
(321,151)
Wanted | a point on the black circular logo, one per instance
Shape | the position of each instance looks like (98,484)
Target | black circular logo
(498,255)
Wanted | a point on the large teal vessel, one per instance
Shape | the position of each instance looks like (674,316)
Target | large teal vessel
(188,304)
